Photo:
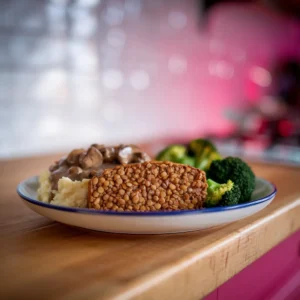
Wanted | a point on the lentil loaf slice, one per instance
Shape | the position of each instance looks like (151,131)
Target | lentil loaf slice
(148,186)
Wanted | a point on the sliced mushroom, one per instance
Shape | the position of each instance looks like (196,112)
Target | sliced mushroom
(73,157)
(131,153)
(125,153)
(91,159)
(110,154)
(98,146)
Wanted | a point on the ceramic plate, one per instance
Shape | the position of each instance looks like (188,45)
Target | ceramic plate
(147,222)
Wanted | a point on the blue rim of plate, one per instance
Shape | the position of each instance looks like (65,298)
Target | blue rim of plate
(152,213)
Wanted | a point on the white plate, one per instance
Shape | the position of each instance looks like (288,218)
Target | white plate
(147,222)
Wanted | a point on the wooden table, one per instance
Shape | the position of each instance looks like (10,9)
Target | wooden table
(41,259)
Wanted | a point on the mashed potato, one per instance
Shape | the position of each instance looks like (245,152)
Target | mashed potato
(43,191)
(70,193)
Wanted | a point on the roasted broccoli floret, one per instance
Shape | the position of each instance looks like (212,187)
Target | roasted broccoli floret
(198,153)
(231,197)
(223,194)
(171,153)
(187,160)
(176,153)
(204,151)
(236,170)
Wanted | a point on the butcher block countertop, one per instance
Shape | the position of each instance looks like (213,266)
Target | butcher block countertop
(42,259)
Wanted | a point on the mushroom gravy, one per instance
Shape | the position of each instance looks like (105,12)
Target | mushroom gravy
(84,164)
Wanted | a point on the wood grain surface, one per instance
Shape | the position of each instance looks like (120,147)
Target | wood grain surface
(41,259)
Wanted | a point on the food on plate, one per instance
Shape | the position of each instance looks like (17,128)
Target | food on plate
(66,181)
(236,170)
(198,153)
(230,180)
(222,194)
(175,153)
(123,178)
(204,152)
(149,186)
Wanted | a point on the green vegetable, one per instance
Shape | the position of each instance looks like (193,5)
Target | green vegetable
(173,153)
(224,194)
(236,170)
(199,154)
(205,152)
(232,197)
(187,160)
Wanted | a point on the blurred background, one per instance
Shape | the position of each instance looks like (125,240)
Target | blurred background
(76,72)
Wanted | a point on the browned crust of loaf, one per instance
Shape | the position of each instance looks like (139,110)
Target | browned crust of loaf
(149,186)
